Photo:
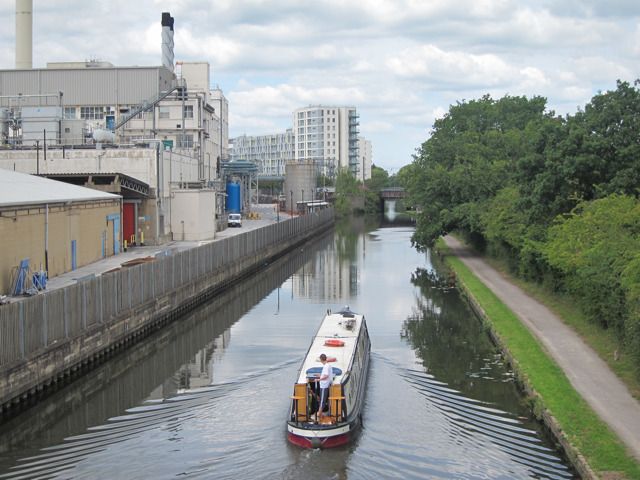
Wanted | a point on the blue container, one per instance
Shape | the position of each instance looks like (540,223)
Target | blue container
(234,204)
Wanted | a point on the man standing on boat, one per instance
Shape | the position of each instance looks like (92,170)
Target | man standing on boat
(326,378)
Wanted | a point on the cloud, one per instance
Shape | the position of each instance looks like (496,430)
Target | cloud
(438,67)
(400,62)
(377,126)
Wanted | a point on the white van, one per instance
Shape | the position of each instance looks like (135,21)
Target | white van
(235,220)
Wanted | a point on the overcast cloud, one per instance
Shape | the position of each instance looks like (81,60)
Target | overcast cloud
(400,62)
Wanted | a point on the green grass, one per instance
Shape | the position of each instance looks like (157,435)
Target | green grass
(601,448)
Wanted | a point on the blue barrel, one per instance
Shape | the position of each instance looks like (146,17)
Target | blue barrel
(233,198)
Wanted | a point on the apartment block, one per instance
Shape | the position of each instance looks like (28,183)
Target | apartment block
(366,158)
(269,152)
(327,136)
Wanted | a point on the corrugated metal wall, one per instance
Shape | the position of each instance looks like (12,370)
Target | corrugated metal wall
(37,322)
(89,86)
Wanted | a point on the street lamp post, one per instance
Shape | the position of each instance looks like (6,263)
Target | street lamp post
(291,192)
(302,198)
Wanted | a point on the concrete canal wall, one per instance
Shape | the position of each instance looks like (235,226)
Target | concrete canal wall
(47,337)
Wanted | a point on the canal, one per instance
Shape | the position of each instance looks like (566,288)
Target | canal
(208,396)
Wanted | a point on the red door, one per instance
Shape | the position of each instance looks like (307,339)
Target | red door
(129,222)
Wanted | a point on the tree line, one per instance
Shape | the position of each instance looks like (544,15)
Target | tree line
(555,196)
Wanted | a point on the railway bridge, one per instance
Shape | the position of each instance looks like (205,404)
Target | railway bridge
(392,193)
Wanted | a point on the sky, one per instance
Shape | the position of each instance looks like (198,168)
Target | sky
(401,63)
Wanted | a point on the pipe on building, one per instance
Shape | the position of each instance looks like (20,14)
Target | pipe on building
(24,34)
(160,203)
(46,238)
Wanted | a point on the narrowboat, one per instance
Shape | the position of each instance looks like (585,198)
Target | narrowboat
(343,338)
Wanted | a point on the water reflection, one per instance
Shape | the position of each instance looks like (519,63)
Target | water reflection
(182,355)
(208,395)
(452,344)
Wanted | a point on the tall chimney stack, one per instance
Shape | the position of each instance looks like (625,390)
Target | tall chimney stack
(167,41)
(24,31)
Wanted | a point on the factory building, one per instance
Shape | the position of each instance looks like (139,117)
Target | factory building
(81,104)
(51,226)
(141,132)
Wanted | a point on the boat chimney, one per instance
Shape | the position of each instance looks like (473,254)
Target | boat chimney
(24,34)
(167,41)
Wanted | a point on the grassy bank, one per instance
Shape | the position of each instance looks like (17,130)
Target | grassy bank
(601,448)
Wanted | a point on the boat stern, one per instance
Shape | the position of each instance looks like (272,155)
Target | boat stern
(312,438)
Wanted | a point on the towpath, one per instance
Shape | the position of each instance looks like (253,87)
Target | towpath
(586,371)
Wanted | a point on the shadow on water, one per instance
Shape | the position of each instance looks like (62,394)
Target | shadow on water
(207,397)
(152,368)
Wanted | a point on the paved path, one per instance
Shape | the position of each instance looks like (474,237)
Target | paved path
(588,374)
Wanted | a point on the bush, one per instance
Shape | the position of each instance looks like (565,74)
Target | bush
(597,250)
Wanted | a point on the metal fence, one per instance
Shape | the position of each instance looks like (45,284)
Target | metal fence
(38,322)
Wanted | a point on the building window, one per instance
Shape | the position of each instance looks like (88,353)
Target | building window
(143,115)
(188,111)
(185,141)
(69,113)
(91,113)
(163,112)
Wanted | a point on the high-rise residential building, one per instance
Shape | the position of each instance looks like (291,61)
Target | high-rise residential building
(269,152)
(327,136)
(366,158)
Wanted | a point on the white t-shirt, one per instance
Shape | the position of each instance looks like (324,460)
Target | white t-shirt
(326,370)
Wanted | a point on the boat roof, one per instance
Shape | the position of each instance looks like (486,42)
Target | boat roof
(345,326)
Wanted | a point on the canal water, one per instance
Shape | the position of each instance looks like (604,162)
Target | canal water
(208,396)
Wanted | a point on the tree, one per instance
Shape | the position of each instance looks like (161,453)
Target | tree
(349,196)
(469,157)
(597,249)
(379,180)
(583,157)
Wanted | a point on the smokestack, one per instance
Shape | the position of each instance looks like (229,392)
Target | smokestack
(167,40)
(24,30)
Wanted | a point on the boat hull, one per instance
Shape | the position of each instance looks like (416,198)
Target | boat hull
(305,441)
(351,370)
(308,437)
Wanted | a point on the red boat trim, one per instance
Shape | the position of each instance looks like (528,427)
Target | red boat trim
(325,442)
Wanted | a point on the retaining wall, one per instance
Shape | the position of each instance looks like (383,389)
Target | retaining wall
(45,337)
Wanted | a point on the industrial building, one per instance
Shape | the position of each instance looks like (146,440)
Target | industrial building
(146,133)
(299,183)
(51,226)
(96,102)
